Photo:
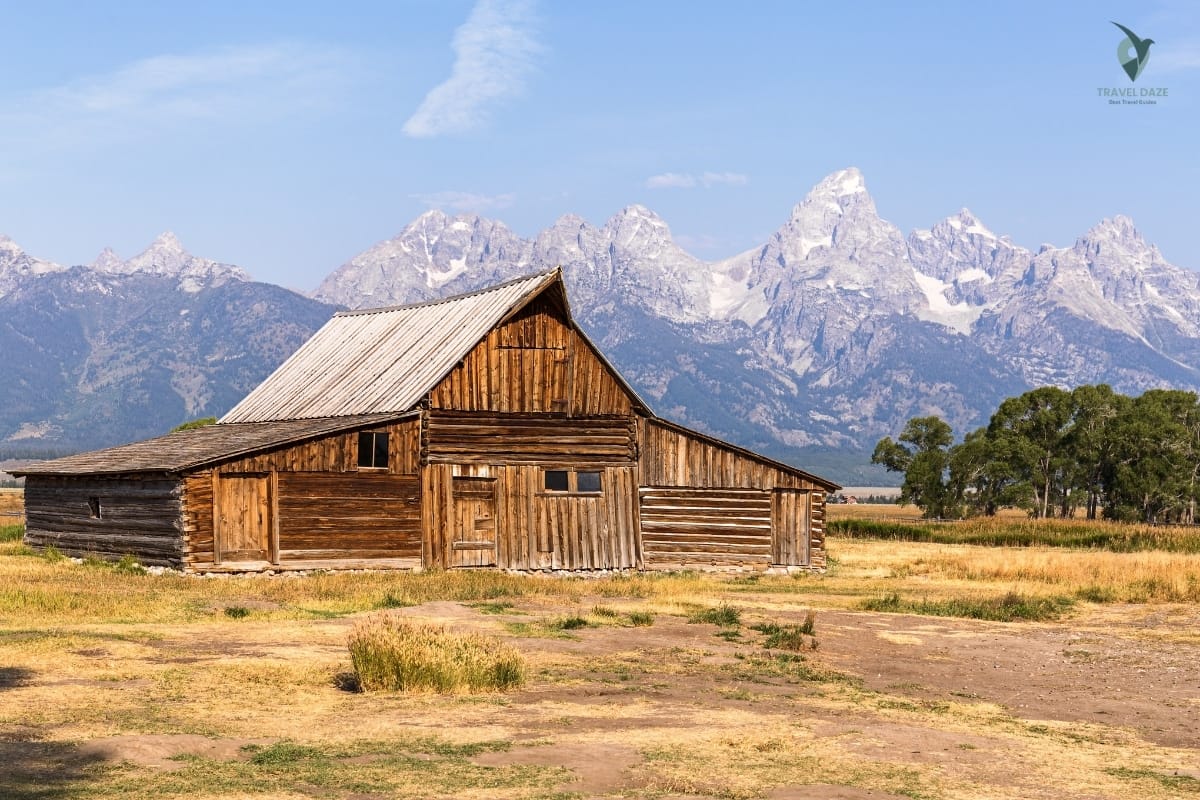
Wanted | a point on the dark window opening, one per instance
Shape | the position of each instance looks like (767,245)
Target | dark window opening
(556,480)
(373,450)
(571,481)
(94,507)
(588,481)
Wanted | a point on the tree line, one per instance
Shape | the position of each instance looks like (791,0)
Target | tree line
(1058,453)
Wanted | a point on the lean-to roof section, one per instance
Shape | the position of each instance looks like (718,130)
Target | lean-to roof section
(197,447)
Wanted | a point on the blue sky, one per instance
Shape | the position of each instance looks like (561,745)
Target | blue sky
(288,137)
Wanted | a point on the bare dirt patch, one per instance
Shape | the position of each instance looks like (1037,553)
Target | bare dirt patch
(163,751)
(1100,671)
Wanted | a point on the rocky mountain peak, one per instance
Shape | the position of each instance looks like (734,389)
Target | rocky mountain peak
(107,261)
(15,264)
(166,256)
(1115,246)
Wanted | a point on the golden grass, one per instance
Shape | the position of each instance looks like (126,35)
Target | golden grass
(391,654)
(11,500)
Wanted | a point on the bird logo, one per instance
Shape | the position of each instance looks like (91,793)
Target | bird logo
(1133,63)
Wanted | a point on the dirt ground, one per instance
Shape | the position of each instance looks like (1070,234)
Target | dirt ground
(1106,704)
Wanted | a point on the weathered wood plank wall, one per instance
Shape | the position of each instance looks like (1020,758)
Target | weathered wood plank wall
(481,438)
(327,509)
(533,529)
(137,517)
(719,527)
(533,363)
(324,516)
(691,514)
(670,457)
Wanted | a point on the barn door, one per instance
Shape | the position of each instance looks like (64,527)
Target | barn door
(474,540)
(790,527)
(242,518)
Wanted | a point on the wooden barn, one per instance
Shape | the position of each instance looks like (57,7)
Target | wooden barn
(483,430)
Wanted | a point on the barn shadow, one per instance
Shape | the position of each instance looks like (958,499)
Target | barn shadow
(14,677)
(35,769)
(44,770)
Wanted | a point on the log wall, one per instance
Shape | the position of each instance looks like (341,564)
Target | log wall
(686,474)
(473,438)
(534,362)
(137,517)
(717,527)
(324,516)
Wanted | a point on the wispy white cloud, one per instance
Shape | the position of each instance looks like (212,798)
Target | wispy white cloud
(495,51)
(466,201)
(237,85)
(685,180)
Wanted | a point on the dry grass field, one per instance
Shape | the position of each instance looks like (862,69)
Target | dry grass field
(120,684)
(12,501)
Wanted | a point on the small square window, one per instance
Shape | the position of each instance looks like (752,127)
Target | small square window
(94,507)
(373,450)
(556,480)
(587,481)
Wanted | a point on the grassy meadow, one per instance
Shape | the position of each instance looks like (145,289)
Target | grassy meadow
(117,683)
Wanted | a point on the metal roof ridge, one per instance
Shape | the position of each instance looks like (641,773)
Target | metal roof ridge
(452,298)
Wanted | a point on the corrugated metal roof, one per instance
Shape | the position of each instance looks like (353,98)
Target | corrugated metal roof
(191,449)
(383,359)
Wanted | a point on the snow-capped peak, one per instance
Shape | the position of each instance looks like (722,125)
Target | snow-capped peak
(842,183)
(966,222)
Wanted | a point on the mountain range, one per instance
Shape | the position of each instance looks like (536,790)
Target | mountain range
(809,347)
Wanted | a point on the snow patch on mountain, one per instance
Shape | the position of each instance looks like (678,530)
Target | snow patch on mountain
(956,316)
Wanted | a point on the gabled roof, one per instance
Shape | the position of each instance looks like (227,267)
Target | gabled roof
(198,447)
(384,360)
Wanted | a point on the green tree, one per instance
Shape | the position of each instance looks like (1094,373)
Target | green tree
(922,454)
(195,423)
(1029,433)
(1154,471)
(980,476)
(1090,441)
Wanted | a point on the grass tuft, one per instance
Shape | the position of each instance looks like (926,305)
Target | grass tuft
(1176,783)
(128,565)
(1009,607)
(570,623)
(282,754)
(641,619)
(789,637)
(995,532)
(390,654)
(237,612)
(723,615)
(52,554)
(11,533)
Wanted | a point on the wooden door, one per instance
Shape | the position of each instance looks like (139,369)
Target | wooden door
(474,541)
(790,527)
(242,517)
